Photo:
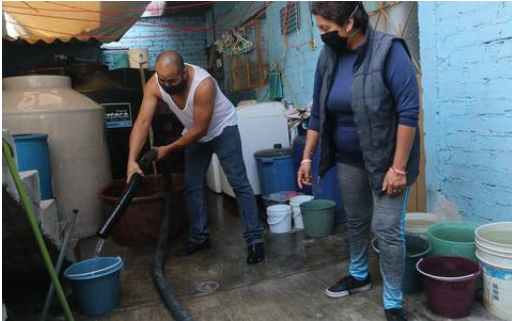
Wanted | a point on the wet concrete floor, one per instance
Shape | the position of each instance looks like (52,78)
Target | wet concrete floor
(288,285)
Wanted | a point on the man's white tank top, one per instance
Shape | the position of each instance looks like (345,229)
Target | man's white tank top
(224,113)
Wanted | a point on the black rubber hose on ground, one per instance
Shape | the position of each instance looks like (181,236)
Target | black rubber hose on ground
(177,310)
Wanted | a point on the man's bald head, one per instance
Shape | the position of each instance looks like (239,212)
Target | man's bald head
(167,58)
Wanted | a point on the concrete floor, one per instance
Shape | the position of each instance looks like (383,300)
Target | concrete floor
(288,285)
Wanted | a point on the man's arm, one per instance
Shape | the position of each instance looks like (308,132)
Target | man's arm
(140,129)
(204,102)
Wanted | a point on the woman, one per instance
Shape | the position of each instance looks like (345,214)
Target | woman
(364,118)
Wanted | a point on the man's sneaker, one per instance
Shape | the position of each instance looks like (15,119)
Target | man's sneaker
(348,285)
(255,253)
(191,247)
(395,315)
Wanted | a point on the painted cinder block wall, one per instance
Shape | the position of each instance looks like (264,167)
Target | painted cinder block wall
(298,64)
(299,58)
(466,53)
(191,45)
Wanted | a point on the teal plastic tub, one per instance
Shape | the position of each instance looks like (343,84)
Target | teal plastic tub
(453,238)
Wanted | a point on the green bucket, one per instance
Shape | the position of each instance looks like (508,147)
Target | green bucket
(318,217)
(453,238)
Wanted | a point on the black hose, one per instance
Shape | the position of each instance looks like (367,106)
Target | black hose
(177,310)
(162,285)
(127,195)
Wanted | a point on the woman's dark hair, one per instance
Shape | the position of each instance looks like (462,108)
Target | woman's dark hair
(340,11)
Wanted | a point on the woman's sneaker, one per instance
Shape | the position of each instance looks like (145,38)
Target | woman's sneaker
(395,315)
(348,285)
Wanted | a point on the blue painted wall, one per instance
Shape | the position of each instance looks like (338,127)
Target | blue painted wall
(298,63)
(191,45)
(466,53)
(298,59)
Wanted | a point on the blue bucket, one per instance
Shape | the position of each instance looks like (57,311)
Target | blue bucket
(32,153)
(96,284)
(275,170)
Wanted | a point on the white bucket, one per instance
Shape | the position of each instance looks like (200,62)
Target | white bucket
(497,288)
(138,56)
(417,223)
(494,250)
(295,203)
(279,218)
(495,237)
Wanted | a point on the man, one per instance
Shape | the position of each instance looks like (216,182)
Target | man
(210,125)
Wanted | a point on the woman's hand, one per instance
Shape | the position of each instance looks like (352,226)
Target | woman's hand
(394,183)
(304,174)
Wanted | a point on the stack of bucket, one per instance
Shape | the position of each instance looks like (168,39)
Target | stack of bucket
(315,217)
(494,250)
(276,175)
(418,223)
(451,274)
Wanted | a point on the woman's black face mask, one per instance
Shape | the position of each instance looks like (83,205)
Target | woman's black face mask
(335,41)
(176,89)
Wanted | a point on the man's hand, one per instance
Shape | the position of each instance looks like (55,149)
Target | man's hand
(394,184)
(133,167)
(162,151)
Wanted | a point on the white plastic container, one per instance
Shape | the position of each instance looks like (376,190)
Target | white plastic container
(497,287)
(297,216)
(495,237)
(138,56)
(417,223)
(261,126)
(279,219)
(494,250)
(75,125)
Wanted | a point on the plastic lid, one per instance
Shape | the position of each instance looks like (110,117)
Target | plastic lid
(277,151)
(24,137)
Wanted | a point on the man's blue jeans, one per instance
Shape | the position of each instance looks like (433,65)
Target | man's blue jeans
(228,149)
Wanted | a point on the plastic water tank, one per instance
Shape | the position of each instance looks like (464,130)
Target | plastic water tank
(75,126)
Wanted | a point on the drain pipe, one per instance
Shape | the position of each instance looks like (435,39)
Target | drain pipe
(163,286)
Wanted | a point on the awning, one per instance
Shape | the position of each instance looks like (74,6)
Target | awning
(47,21)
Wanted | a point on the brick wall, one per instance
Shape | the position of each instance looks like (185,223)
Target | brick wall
(466,52)
(190,45)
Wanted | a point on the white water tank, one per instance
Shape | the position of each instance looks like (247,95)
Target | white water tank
(261,126)
(78,150)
